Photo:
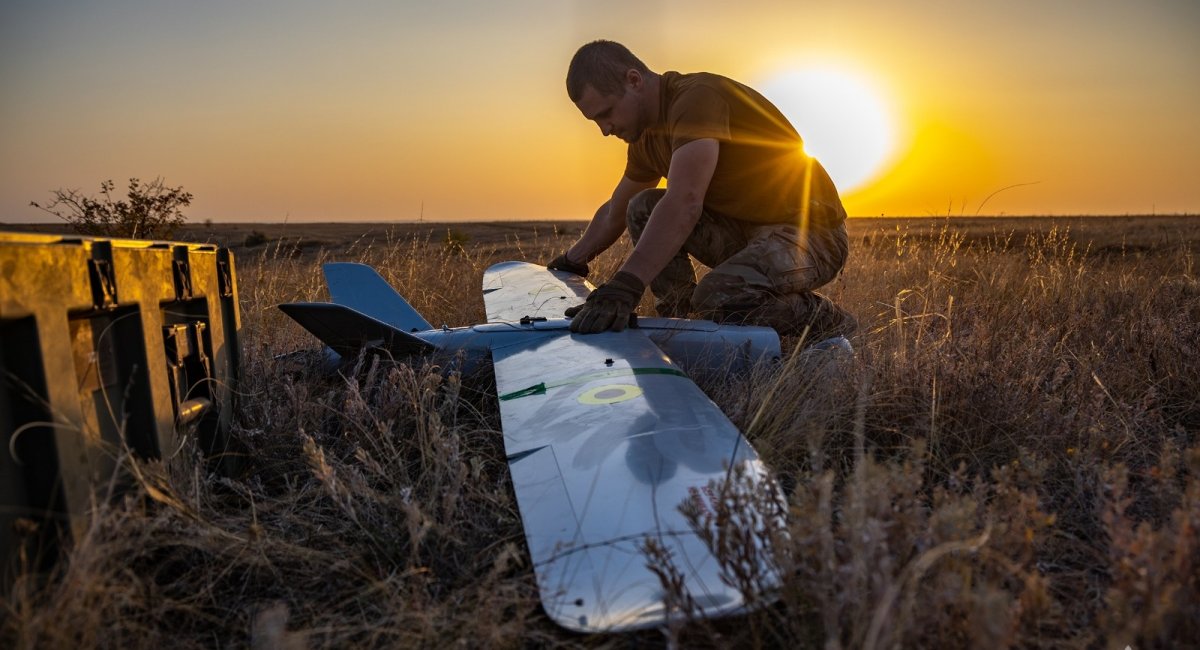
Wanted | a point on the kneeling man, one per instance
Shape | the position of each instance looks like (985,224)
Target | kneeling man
(742,197)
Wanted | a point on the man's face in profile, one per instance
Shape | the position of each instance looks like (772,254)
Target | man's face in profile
(619,115)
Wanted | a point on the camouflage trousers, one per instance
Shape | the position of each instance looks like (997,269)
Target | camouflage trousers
(762,274)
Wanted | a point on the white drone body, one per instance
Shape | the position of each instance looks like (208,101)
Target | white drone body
(606,437)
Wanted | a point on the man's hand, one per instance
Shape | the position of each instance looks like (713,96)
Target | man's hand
(609,306)
(564,263)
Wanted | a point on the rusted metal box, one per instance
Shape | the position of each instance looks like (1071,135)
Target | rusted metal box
(107,347)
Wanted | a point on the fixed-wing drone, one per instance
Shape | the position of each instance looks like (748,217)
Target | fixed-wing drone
(605,434)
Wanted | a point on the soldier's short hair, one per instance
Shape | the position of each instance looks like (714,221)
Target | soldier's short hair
(602,65)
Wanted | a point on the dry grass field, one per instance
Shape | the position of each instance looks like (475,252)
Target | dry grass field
(1011,459)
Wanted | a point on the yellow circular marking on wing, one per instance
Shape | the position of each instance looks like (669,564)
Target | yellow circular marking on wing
(610,394)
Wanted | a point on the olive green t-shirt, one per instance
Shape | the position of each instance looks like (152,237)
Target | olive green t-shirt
(761,166)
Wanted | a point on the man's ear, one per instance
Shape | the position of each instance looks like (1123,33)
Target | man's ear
(633,79)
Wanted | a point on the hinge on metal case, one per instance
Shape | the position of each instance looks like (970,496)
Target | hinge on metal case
(182,272)
(224,279)
(104,286)
(101,276)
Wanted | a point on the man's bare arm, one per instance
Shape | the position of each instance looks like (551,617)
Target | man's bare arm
(608,223)
(675,215)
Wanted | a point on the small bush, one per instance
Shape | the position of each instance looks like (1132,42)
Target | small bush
(255,238)
(455,240)
(152,211)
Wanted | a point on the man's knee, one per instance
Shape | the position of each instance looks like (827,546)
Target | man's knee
(707,303)
(831,253)
(722,292)
(637,214)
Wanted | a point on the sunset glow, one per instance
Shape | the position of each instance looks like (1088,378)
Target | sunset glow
(272,110)
(844,122)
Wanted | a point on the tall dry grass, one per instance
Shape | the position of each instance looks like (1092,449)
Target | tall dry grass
(1010,459)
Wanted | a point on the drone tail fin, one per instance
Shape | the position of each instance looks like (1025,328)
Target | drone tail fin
(346,331)
(361,288)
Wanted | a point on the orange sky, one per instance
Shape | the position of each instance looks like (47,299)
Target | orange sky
(304,111)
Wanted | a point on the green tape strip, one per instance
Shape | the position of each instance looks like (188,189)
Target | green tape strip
(540,389)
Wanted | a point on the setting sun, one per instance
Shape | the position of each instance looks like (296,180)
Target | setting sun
(845,123)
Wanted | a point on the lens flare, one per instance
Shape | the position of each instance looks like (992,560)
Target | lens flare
(844,122)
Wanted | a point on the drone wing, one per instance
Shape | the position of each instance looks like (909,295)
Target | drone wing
(516,290)
(606,438)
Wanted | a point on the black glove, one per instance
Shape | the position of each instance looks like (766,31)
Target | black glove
(564,263)
(608,307)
